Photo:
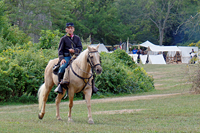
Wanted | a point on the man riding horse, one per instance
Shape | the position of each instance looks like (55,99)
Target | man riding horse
(70,46)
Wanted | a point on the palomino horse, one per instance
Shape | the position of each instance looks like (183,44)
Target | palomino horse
(80,80)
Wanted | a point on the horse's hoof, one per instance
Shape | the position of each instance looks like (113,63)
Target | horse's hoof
(40,116)
(90,121)
(70,120)
(59,119)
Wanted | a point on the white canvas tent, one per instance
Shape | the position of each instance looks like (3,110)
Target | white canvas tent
(142,57)
(185,53)
(147,44)
(156,48)
(156,59)
(152,55)
(134,57)
(102,47)
(164,48)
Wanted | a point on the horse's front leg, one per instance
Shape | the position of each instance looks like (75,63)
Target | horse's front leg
(71,97)
(43,96)
(88,93)
(58,100)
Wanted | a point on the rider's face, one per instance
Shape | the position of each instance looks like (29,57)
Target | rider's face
(70,30)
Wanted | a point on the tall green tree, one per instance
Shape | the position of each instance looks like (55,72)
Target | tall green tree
(161,13)
(188,22)
(29,15)
(132,16)
(9,35)
(162,22)
(61,12)
(3,19)
(99,19)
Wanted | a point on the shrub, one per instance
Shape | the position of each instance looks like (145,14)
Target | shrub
(49,39)
(10,35)
(121,75)
(15,36)
(4,44)
(22,73)
(22,70)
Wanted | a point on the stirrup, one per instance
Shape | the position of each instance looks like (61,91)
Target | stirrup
(64,82)
(59,89)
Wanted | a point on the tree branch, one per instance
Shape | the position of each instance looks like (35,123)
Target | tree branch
(187,21)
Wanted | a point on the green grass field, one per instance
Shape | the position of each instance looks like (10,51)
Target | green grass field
(172,113)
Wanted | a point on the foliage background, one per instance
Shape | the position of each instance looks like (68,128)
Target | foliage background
(164,22)
(22,72)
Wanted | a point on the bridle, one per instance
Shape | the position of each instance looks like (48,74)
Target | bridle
(89,60)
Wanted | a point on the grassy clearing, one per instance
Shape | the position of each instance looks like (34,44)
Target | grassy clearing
(171,78)
(179,113)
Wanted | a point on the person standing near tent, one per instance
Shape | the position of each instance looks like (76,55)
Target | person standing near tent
(191,53)
(138,58)
(134,51)
(193,57)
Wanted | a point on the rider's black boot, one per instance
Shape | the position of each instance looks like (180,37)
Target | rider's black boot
(59,87)
(94,89)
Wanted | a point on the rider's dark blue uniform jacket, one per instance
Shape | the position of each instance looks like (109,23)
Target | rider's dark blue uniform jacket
(66,44)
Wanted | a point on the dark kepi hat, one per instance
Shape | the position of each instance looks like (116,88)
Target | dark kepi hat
(69,24)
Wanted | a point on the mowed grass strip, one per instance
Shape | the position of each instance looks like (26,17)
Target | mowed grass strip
(170,78)
(179,113)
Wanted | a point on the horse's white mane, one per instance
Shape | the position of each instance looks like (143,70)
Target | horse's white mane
(85,52)
(81,55)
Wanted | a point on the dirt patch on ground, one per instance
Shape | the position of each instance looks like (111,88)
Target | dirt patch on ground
(132,98)
(118,111)
(156,85)
(158,76)
(118,99)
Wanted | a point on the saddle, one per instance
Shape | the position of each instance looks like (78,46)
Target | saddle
(56,68)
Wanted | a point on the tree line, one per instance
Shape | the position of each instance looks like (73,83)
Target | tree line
(163,22)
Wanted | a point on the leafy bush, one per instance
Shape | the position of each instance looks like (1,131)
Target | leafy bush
(121,75)
(4,44)
(49,39)
(22,70)
(22,73)
(195,44)
(15,36)
(10,35)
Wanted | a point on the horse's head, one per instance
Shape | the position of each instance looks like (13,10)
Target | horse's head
(94,59)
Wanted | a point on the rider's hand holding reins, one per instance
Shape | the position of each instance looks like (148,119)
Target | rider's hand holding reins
(71,51)
(62,61)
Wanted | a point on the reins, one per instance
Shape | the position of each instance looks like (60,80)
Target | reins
(92,67)
(78,75)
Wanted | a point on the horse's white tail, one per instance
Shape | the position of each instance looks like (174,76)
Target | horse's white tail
(41,95)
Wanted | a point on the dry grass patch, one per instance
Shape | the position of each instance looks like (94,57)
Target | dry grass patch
(118,111)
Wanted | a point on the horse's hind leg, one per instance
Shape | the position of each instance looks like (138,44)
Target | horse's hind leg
(58,100)
(88,94)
